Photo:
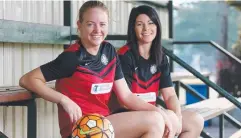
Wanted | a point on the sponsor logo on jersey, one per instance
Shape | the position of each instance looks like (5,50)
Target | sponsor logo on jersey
(101,88)
(148,97)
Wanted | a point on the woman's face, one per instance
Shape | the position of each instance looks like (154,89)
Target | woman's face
(94,27)
(145,29)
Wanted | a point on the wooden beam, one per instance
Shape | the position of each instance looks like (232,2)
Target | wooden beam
(23,32)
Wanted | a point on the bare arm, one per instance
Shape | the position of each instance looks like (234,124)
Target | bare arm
(62,67)
(35,82)
(171,100)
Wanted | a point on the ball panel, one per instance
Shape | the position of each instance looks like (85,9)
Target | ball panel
(93,126)
(75,132)
(105,136)
(100,123)
(84,128)
(95,130)
(91,123)
(98,135)
(84,120)
(111,128)
(109,133)
(106,124)
(83,136)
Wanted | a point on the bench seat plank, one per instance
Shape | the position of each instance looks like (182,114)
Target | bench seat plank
(211,108)
(17,93)
(14,94)
(236,134)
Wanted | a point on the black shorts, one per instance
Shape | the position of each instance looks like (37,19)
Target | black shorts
(120,110)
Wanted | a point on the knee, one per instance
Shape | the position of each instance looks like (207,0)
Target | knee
(199,121)
(173,118)
(155,121)
(195,121)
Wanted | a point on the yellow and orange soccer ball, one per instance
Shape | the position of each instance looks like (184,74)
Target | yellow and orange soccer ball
(93,126)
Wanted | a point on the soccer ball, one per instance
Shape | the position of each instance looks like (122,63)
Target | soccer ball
(93,126)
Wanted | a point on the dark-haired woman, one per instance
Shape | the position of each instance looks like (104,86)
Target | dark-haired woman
(146,70)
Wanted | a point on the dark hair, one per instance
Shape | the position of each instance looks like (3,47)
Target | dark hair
(91,4)
(156,48)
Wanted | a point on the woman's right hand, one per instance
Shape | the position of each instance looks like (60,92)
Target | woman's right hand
(71,108)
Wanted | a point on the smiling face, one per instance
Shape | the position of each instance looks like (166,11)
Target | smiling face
(145,29)
(94,27)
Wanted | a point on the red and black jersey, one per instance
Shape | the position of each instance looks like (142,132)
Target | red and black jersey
(143,76)
(86,79)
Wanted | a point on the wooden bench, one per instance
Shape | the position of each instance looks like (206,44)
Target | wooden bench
(211,108)
(16,93)
(236,134)
(17,96)
(207,108)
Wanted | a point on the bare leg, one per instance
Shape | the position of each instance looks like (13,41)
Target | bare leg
(137,124)
(192,124)
(173,119)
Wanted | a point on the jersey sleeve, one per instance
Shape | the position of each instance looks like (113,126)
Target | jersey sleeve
(63,66)
(165,79)
(126,65)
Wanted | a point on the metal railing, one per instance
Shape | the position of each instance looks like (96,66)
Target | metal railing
(220,90)
(213,44)
(200,97)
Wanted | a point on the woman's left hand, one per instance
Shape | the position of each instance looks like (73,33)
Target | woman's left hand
(179,126)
